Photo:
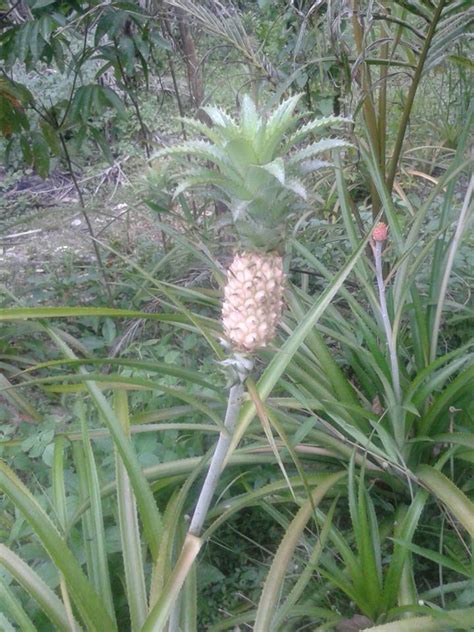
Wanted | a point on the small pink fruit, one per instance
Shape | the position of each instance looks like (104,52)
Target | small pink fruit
(380,232)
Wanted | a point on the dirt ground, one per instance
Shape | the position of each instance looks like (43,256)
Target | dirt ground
(43,228)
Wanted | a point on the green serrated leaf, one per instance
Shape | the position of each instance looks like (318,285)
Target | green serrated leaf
(317,148)
(277,169)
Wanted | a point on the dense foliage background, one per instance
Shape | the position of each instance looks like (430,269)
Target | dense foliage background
(346,501)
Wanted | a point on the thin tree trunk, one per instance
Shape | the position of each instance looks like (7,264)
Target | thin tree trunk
(193,67)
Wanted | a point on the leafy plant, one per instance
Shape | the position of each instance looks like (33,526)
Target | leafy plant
(353,435)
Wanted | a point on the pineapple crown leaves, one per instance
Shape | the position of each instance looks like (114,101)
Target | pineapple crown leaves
(228,126)
(315,125)
(258,164)
(317,148)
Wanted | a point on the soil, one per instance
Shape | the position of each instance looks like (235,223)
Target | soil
(43,225)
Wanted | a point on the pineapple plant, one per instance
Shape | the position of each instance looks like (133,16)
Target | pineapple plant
(256,166)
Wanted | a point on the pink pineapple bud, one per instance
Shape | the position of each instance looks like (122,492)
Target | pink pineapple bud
(380,232)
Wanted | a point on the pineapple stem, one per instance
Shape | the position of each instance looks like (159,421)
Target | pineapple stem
(212,478)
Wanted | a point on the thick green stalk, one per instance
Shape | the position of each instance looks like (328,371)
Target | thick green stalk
(222,447)
(392,170)
(161,611)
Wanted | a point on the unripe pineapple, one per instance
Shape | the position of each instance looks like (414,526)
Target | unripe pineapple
(253,300)
(258,176)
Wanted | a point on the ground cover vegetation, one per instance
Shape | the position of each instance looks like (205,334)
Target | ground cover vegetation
(236,323)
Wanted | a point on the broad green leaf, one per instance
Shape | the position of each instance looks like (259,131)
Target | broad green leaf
(39,4)
(51,137)
(449,494)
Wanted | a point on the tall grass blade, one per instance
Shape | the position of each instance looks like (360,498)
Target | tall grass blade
(189,609)
(305,576)
(456,240)
(59,490)
(275,578)
(59,498)
(129,529)
(86,600)
(17,400)
(145,500)
(407,523)
(32,583)
(449,494)
(11,606)
(98,545)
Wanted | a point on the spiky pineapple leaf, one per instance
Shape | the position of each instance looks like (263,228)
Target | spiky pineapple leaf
(239,209)
(310,166)
(254,175)
(276,168)
(278,124)
(207,177)
(200,127)
(250,122)
(220,118)
(313,126)
(241,154)
(317,148)
(297,187)
(264,183)
(200,149)
(282,116)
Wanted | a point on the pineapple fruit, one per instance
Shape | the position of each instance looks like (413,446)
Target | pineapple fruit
(258,169)
(253,300)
